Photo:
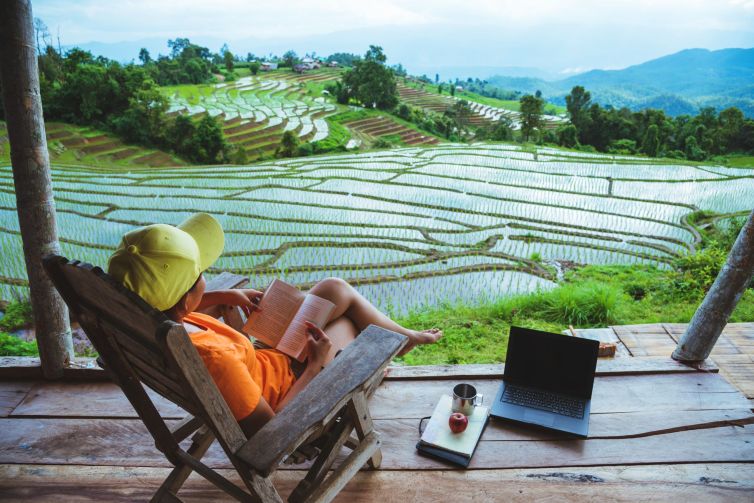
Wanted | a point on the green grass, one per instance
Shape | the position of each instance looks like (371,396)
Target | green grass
(76,156)
(740,161)
(17,314)
(593,296)
(14,346)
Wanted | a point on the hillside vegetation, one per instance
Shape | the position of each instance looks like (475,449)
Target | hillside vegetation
(680,83)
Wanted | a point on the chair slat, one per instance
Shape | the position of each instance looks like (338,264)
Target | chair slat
(324,396)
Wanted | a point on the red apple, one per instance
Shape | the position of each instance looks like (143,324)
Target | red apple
(458,422)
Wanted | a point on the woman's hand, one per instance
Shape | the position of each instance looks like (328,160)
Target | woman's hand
(319,345)
(247,300)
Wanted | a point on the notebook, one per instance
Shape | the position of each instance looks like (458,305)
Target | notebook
(438,441)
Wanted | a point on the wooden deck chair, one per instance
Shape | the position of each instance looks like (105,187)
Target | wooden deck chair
(138,344)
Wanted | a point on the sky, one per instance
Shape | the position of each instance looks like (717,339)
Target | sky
(560,37)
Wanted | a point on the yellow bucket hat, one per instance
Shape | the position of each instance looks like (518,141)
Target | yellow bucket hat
(161,262)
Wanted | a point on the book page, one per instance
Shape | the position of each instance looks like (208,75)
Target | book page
(279,305)
(315,310)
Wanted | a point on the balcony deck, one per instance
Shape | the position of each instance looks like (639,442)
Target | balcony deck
(659,431)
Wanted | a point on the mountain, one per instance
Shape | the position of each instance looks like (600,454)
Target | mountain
(679,83)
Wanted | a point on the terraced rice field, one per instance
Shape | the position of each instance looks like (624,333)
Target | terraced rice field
(409,227)
(69,144)
(256,111)
(481,115)
(384,126)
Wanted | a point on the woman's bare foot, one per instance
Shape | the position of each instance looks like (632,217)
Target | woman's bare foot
(429,336)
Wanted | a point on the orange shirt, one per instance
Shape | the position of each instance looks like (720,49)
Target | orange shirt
(242,374)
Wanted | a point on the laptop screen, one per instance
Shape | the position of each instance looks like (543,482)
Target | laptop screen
(553,362)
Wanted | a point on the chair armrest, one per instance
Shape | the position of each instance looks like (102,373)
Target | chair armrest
(226,281)
(312,409)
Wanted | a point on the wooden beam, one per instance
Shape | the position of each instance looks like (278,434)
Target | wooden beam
(31,177)
(711,317)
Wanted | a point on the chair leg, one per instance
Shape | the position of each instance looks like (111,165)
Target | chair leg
(359,411)
(202,439)
(337,437)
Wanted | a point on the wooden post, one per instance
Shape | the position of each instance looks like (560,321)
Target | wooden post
(31,177)
(712,316)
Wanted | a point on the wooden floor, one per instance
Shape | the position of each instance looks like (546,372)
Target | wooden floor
(659,431)
(733,353)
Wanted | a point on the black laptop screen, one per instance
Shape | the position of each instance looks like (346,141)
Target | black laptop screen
(553,362)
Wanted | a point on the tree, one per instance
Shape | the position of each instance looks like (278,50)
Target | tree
(144,120)
(651,144)
(731,129)
(440,87)
(40,30)
(290,58)
(254,67)
(209,141)
(19,80)
(228,60)
(177,46)
(288,145)
(531,114)
(577,103)
(568,136)
(144,56)
(452,89)
(374,53)
(437,78)
(502,130)
(181,136)
(371,82)
(692,151)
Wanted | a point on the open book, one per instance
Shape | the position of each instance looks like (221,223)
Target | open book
(438,441)
(280,323)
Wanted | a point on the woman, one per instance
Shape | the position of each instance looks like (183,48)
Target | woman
(164,265)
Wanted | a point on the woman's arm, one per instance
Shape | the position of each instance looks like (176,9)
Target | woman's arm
(247,299)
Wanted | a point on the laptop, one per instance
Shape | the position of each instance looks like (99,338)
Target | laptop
(547,380)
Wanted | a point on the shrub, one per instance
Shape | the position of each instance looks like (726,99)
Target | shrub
(17,315)
(588,304)
(15,346)
(696,272)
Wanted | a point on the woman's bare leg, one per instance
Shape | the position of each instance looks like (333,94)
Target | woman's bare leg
(349,303)
(341,332)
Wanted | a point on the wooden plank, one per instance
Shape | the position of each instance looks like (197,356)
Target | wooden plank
(739,370)
(725,444)
(605,367)
(226,281)
(603,335)
(662,392)
(646,340)
(403,398)
(82,441)
(29,368)
(601,426)
(680,483)
(126,441)
(11,394)
(61,399)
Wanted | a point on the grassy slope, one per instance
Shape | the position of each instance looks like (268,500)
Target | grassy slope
(75,154)
(513,105)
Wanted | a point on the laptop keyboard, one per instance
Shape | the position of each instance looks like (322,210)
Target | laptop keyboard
(544,400)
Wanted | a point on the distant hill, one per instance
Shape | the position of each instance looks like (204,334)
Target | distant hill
(679,83)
